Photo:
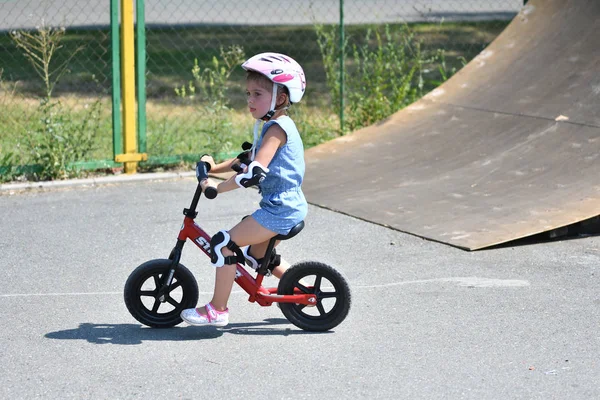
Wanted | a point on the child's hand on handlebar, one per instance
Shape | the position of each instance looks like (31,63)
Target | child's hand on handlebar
(208,186)
(208,159)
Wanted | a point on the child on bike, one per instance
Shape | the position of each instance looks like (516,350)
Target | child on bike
(274,82)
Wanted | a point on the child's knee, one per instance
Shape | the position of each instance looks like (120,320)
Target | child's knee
(224,251)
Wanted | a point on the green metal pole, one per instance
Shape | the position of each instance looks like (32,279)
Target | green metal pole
(141,73)
(342,66)
(116,78)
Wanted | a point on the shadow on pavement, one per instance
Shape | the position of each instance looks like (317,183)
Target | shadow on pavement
(128,334)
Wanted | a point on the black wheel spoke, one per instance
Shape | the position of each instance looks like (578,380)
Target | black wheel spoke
(317,286)
(151,293)
(302,288)
(320,308)
(156,306)
(172,301)
(156,281)
(328,295)
(174,286)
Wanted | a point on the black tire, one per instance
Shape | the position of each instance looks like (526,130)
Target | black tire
(141,294)
(332,305)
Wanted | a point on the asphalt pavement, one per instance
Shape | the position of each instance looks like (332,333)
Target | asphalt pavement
(428,321)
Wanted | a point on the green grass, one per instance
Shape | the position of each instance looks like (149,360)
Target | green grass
(179,127)
(171,53)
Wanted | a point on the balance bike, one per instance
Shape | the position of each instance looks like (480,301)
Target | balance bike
(313,296)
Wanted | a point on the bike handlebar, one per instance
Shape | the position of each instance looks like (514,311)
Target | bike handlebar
(208,186)
(243,158)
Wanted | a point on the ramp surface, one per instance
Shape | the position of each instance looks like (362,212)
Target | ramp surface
(507,148)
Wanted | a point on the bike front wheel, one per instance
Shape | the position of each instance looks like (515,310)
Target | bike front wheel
(329,286)
(160,310)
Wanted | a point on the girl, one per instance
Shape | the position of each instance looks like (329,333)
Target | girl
(274,81)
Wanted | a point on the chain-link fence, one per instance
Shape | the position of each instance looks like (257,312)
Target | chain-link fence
(195,88)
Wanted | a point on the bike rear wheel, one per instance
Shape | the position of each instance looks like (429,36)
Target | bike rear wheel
(331,289)
(142,296)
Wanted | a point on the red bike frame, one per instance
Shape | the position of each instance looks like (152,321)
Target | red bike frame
(252,286)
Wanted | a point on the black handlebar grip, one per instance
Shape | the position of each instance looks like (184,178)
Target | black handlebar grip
(202,169)
(237,168)
(246,146)
(210,192)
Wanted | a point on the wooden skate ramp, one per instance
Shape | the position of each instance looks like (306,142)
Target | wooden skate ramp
(507,148)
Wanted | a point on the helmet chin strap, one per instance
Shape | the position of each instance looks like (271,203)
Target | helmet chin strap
(266,117)
(271,112)
(256,125)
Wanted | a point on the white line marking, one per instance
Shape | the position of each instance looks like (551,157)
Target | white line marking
(461,281)
(59,294)
(83,294)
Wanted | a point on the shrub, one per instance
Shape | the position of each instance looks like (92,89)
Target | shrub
(384,72)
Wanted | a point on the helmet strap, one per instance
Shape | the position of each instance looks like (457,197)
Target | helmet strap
(253,150)
(272,110)
(274,99)
(266,117)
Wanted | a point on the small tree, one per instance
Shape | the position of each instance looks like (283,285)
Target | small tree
(40,47)
(55,140)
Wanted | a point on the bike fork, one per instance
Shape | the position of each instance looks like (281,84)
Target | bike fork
(175,256)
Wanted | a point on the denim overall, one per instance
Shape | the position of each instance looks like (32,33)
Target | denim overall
(283,204)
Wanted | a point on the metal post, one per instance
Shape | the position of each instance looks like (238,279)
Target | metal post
(116,78)
(127,155)
(128,85)
(342,65)
(141,73)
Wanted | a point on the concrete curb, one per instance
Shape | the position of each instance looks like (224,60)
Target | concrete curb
(101,180)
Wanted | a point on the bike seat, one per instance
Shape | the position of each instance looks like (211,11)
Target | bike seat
(293,232)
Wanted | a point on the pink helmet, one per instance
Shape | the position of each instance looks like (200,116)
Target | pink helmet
(280,69)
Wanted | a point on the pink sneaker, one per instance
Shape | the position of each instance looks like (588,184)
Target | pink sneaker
(213,317)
